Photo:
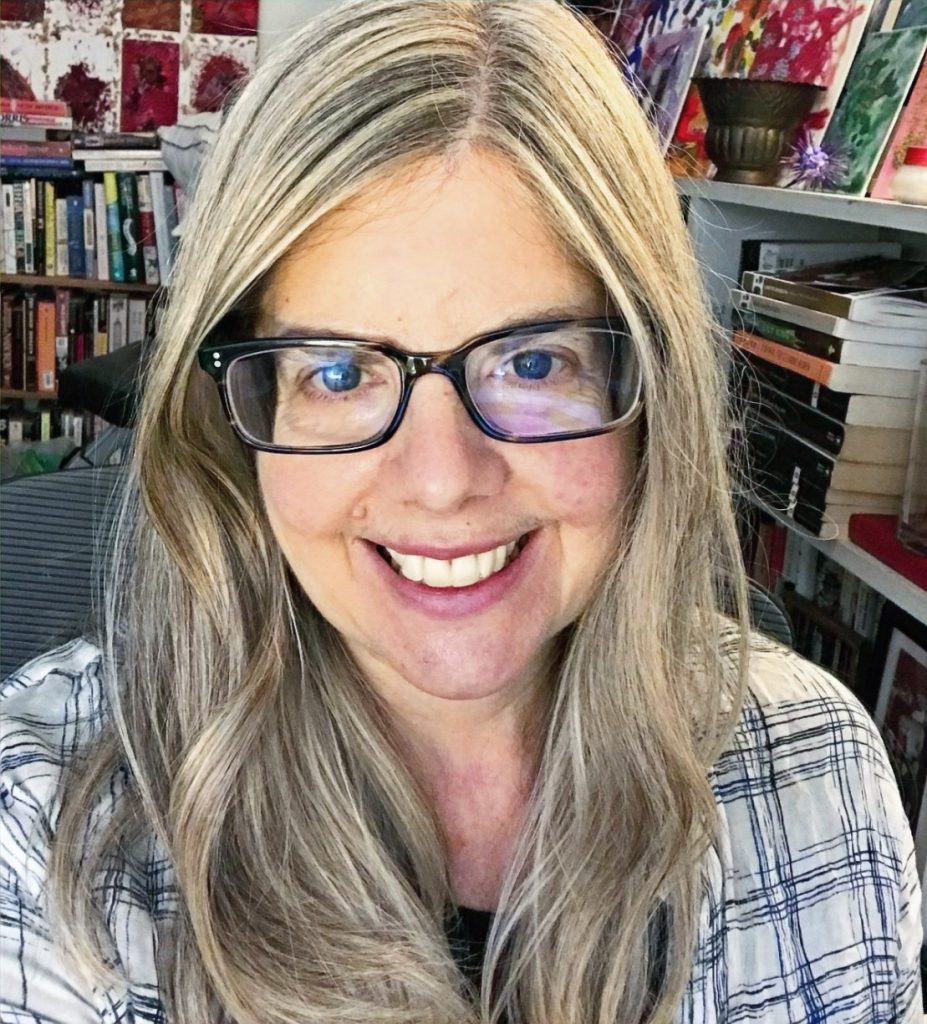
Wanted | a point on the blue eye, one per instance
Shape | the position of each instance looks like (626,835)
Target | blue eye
(344,376)
(532,365)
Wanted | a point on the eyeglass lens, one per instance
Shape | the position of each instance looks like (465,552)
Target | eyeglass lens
(529,386)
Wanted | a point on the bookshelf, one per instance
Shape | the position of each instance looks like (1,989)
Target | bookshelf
(721,216)
(91,284)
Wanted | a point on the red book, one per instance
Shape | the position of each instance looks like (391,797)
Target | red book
(17,148)
(876,534)
(47,108)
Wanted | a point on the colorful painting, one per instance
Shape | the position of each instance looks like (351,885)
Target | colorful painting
(126,64)
(872,99)
(734,40)
(686,156)
(150,74)
(666,70)
(911,130)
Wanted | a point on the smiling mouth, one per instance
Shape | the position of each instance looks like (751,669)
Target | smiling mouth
(454,572)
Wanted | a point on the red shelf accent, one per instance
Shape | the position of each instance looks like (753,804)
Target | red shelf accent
(876,534)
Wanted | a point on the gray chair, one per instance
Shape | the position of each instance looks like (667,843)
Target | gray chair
(54,528)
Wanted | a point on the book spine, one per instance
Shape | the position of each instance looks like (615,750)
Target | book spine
(51,237)
(31,381)
(20,148)
(19,227)
(101,341)
(89,230)
(116,140)
(36,121)
(804,421)
(50,108)
(18,345)
(799,294)
(31,171)
(61,237)
(162,237)
(9,231)
(102,239)
(811,367)
(117,270)
(75,212)
(147,228)
(6,341)
(135,330)
(128,208)
(61,163)
(62,316)
(118,320)
(45,348)
(40,218)
(29,226)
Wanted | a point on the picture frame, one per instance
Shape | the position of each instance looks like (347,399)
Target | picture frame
(899,671)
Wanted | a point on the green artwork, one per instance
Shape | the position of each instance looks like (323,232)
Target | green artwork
(872,98)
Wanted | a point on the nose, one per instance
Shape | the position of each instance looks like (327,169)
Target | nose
(443,462)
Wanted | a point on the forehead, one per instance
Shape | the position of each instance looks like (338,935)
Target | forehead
(428,259)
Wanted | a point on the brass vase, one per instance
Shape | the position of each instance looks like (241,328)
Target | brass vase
(750,124)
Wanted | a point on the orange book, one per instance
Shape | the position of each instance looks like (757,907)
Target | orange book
(45,347)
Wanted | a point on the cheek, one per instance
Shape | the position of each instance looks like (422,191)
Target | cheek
(586,482)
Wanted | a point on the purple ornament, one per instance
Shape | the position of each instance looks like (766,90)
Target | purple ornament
(815,166)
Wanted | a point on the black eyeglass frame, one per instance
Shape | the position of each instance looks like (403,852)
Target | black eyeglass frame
(217,359)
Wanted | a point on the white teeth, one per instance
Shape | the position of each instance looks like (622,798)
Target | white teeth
(455,572)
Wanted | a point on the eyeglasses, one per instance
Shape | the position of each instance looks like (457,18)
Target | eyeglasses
(543,382)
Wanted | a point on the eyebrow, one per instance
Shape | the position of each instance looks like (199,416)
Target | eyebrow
(574,312)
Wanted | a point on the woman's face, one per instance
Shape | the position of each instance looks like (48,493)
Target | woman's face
(427,264)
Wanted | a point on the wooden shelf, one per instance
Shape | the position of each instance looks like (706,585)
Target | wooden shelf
(87,283)
(48,396)
(883,213)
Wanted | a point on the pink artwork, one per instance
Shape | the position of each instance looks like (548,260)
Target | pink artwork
(803,40)
(32,11)
(82,70)
(911,130)
(163,15)
(150,72)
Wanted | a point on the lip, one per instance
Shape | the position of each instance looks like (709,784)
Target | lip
(447,603)
(444,553)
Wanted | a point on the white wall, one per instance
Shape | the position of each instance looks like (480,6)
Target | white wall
(278,18)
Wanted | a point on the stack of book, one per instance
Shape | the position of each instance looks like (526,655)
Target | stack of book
(829,370)
(36,136)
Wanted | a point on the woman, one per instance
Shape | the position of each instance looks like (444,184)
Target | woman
(416,642)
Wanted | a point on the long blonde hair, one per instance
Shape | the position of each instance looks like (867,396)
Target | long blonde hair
(311,876)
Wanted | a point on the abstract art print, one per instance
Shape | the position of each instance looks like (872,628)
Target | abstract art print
(667,65)
(911,130)
(120,64)
(872,99)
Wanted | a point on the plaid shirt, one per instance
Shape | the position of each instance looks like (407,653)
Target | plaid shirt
(812,908)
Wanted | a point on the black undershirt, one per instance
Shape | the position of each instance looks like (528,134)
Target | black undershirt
(467,931)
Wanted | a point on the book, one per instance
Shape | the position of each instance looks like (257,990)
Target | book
(120,154)
(118,320)
(96,141)
(29,226)
(9,229)
(836,350)
(123,165)
(30,381)
(38,164)
(100,326)
(39,240)
(135,320)
(837,376)
(62,314)
(911,130)
(777,452)
(51,229)
(162,229)
(776,257)
(89,230)
(49,108)
(840,327)
(871,290)
(888,446)
(33,133)
(17,148)
(19,227)
(61,237)
(148,237)
(129,223)
(75,215)
(45,347)
(872,98)
(6,340)
(853,410)
(100,227)
(117,270)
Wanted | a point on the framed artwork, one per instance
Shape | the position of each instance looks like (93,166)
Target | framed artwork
(667,65)
(901,702)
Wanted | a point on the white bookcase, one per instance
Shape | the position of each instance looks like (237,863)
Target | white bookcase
(721,216)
